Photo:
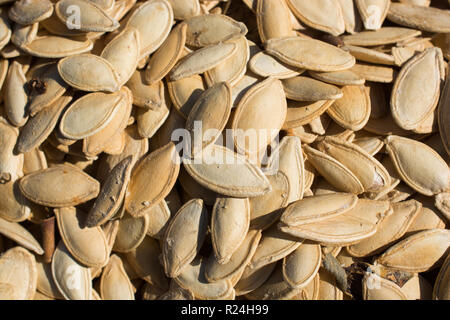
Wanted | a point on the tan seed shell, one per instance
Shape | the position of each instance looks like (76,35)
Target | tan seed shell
(265,65)
(146,96)
(153,19)
(333,171)
(350,227)
(56,47)
(15,95)
(72,279)
(370,55)
(441,287)
(87,245)
(324,15)
(184,237)
(265,209)
(26,12)
(341,78)
(66,186)
(212,110)
(318,208)
(373,73)
(14,207)
(304,112)
(184,93)
(252,279)
(274,246)
(45,283)
(369,171)
(307,89)
(89,73)
(390,229)
(183,9)
(352,111)
(161,166)
(415,93)
(18,275)
(167,55)
(384,35)
(273,20)
(193,278)
(301,266)
(384,290)
(417,253)
(131,233)
(111,194)
(92,17)
(208,29)
(19,234)
(442,202)
(443,116)
(419,165)
(23,35)
(228,173)
(5,29)
(262,107)
(230,221)
(11,164)
(202,60)
(114,282)
(216,271)
(418,288)
(373,12)
(418,17)
(310,54)
(123,53)
(159,217)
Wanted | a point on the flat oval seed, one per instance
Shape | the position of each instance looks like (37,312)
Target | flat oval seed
(370,55)
(167,55)
(444,116)
(123,53)
(263,110)
(252,279)
(159,217)
(145,262)
(238,260)
(373,12)
(418,17)
(318,208)
(307,89)
(232,69)
(352,111)
(131,233)
(212,111)
(264,210)
(89,73)
(378,288)
(202,60)
(23,35)
(111,194)
(390,229)
(228,173)
(72,279)
(45,282)
(366,168)
(350,227)
(303,112)
(66,186)
(92,18)
(56,47)
(418,288)
(442,202)
(161,167)
(19,234)
(230,221)
(419,165)
(153,19)
(146,96)
(333,171)
(5,30)
(26,12)
(184,93)
(18,272)
(87,245)
(373,73)
(274,246)
(14,207)
(114,282)
(193,278)
(15,95)
(183,9)
(11,164)
(417,253)
(208,29)
(415,93)
(273,20)
(324,15)
(341,78)
(310,54)
(80,120)
(184,237)
(442,285)
(301,266)
(385,35)
(265,65)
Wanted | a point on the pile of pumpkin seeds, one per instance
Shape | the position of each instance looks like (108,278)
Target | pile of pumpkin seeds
(224,149)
